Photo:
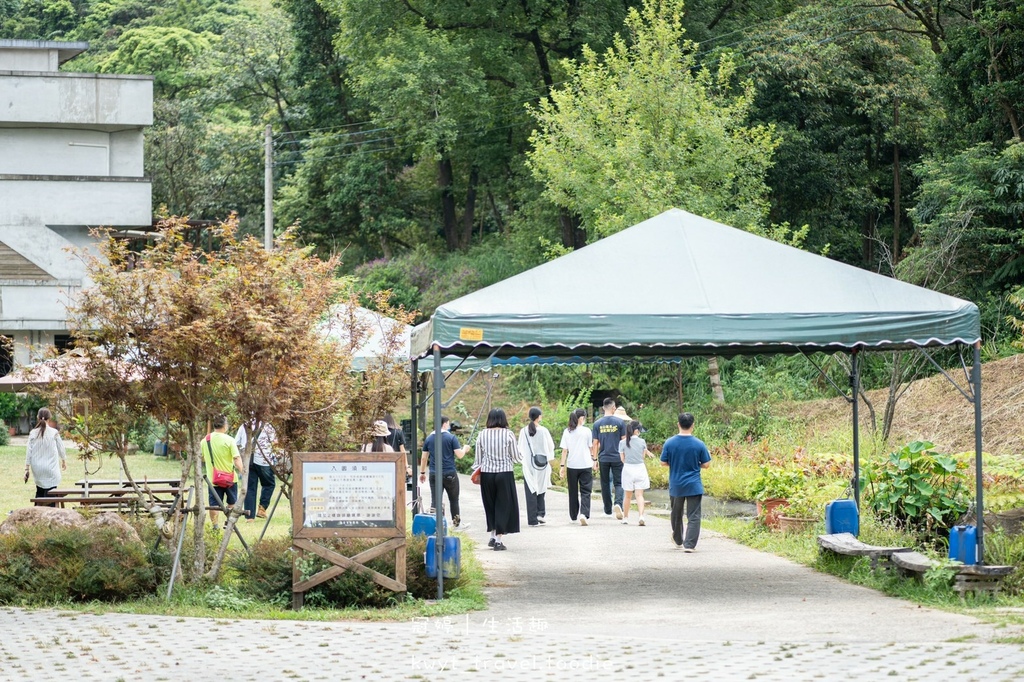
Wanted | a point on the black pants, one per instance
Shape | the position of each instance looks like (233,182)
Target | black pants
(692,513)
(611,473)
(450,483)
(534,505)
(581,484)
(43,492)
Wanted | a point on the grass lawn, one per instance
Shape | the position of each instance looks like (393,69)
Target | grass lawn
(218,601)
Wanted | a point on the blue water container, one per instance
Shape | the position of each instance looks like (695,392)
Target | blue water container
(963,544)
(426,524)
(841,516)
(451,558)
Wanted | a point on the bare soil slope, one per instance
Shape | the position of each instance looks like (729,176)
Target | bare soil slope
(932,409)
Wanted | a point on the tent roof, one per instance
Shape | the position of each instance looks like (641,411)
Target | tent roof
(678,285)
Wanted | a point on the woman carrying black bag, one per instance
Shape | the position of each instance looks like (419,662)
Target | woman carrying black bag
(537,449)
(496,453)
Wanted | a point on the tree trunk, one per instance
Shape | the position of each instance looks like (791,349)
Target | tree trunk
(469,217)
(194,465)
(573,237)
(716,379)
(896,208)
(444,182)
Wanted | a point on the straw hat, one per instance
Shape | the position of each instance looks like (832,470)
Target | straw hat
(620,412)
(380,429)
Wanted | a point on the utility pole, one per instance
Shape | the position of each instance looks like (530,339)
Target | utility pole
(268,189)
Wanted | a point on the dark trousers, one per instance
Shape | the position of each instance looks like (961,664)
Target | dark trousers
(611,472)
(581,484)
(264,475)
(450,483)
(692,511)
(534,505)
(43,492)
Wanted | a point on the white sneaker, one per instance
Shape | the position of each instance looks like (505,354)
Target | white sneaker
(618,511)
(583,520)
(624,522)
(689,550)
(641,522)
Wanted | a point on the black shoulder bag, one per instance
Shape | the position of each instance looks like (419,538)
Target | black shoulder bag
(539,461)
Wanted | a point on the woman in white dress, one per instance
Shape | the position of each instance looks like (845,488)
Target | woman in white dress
(534,441)
(45,456)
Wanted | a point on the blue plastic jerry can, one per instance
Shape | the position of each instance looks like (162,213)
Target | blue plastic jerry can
(426,524)
(841,516)
(451,557)
(963,544)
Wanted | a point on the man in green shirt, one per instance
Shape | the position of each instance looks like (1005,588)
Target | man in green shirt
(220,453)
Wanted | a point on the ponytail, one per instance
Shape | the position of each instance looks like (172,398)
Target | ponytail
(534,416)
(43,416)
(633,426)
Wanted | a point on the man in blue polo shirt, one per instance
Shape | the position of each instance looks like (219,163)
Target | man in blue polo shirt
(685,455)
(450,449)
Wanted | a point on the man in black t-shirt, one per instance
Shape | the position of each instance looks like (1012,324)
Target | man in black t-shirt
(451,450)
(608,431)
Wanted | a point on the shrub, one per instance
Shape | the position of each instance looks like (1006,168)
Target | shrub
(918,489)
(45,565)
(776,482)
(266,575)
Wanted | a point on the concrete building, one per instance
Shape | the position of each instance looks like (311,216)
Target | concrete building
(70,159)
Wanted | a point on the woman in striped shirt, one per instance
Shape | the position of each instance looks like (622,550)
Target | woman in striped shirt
(496,451)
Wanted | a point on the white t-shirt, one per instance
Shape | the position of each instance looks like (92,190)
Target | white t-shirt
(577,442)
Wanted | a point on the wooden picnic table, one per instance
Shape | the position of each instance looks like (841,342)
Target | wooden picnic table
(114,498)
(105,483)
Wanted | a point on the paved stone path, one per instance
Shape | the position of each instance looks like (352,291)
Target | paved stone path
(566,603)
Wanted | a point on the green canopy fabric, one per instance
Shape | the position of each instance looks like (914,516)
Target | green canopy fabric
(679,285)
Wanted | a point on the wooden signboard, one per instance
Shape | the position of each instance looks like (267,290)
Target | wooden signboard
(348,495)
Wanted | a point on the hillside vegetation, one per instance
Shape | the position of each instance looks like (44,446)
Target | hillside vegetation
(932,409)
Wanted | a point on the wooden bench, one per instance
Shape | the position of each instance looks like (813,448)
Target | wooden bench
(115,498)
(973,578)
(847,544)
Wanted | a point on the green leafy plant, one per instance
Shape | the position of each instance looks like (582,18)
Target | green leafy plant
(776,482)
(918,489)
(804,505)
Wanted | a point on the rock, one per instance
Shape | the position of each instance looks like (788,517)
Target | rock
(51,517)
(42,516)
(112,520)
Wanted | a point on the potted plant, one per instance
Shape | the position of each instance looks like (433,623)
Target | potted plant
(772,489)
(802,512)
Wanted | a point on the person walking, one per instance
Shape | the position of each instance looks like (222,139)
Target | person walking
(222,460)
(609,431)
(380,433)
(534,443)
(634,472)
(577,465)
(45,456)
(261,470)
(685,455)
(496,453)
(451,450)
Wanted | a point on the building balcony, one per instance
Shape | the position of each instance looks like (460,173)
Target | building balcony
(36,200)
(103,101)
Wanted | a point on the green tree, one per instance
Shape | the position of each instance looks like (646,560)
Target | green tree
(642,128)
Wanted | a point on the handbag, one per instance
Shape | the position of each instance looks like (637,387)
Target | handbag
(539,461)
(475,476)
(221,479)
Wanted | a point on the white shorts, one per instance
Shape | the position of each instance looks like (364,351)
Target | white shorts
(634,477)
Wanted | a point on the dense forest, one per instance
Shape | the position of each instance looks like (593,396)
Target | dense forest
(441,146)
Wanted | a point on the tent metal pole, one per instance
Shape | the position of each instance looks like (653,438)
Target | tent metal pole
(855,390)
(979,513)
(413,452)
(438,495)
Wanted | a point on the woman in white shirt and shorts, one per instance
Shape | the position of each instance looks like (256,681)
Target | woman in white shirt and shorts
(632,450)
